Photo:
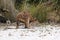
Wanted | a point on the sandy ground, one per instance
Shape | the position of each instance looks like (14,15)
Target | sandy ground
(44,32)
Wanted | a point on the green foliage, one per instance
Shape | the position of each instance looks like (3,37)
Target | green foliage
(33,2)
(39,13)
(18,4)
(38,9)
(58,2)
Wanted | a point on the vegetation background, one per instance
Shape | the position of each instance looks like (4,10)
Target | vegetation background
(43,10)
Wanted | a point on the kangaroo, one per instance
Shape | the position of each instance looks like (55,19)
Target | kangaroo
(24,17)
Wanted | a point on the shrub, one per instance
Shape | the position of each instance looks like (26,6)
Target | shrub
(39,12)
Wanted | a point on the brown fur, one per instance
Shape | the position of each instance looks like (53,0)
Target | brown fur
(24,17)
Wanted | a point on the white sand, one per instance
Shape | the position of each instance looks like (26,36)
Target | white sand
(38,33)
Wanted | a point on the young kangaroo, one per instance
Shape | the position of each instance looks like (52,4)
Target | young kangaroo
(24,17)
